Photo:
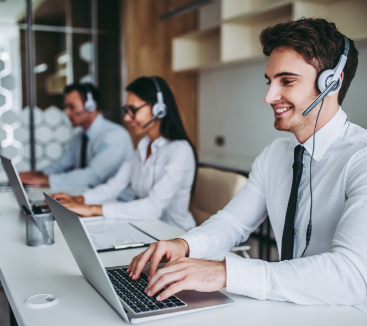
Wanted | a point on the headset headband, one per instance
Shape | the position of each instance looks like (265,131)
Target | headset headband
(156,84)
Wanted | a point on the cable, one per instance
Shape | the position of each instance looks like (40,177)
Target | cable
(309,226)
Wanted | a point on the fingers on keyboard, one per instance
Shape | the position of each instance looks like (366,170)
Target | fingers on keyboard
(132,293)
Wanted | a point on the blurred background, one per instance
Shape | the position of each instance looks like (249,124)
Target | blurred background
(45,45)
(207,50)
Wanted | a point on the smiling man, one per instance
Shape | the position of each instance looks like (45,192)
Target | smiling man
(332,268)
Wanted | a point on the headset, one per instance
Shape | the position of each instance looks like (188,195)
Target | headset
(328,83)
(90,104)
(159,109)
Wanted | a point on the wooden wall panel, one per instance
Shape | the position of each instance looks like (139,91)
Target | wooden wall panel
(149,52)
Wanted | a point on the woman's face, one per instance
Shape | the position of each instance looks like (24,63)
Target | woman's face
(142,116)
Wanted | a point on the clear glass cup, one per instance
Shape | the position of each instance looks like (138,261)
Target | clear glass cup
(40,230)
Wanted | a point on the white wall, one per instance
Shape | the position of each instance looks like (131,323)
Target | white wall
(231,104)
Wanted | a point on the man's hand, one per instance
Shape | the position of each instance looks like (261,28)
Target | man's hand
(172,249)
(64,198)
(188,274)
(34,179)
(85,210)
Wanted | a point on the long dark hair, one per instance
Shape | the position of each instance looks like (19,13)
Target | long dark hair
(171,125)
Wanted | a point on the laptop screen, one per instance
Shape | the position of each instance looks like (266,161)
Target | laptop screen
(15,183)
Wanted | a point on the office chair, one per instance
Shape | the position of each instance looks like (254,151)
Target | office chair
(214,189)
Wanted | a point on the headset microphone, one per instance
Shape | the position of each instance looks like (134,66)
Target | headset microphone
(159,109)
(329,81)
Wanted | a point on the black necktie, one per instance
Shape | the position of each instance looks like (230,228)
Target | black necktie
(288,232)
(83,151)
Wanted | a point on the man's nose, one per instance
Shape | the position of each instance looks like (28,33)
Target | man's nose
(273,94)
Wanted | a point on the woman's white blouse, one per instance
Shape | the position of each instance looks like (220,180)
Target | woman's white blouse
(162,184)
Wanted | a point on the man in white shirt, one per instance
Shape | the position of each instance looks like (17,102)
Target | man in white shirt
(94,154)
(334,268)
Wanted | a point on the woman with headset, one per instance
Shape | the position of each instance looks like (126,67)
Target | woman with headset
(162,170)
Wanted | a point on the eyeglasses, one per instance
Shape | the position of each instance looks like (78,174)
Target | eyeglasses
(131,110)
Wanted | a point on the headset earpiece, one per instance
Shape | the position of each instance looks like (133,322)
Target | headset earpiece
(159,109)
(90,104)
(324,80)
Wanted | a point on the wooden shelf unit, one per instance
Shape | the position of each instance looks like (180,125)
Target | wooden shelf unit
(240,35)
(198,49)
(236,39)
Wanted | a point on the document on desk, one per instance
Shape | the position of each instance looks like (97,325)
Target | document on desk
(107,237)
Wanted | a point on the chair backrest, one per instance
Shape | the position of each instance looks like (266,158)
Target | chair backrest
(214,189)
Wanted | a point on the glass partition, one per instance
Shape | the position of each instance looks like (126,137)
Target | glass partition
(66,41)
(14,124)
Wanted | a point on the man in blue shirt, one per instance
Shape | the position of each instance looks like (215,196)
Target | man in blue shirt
(94,154)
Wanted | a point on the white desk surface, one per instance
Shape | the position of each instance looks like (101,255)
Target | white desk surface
(26,271)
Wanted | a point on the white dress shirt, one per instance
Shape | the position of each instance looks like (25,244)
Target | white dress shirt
(162,183)
(109,145)
(334,271)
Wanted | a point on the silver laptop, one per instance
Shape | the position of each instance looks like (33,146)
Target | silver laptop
(126,296)
(19,192)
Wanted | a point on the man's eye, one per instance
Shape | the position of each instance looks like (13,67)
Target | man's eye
(287,81)
(268,83)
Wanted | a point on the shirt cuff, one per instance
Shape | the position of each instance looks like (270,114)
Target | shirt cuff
(246,277)
(195,245)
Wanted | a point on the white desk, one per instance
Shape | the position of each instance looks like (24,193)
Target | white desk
(26,271)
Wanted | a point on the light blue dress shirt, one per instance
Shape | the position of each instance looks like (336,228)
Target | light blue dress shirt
(109,146)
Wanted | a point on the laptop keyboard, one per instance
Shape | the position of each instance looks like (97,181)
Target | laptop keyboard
(132,293)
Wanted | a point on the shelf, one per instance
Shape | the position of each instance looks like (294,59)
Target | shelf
(196,49)
(236,8)
(219,65)
(269,9)
(240,36)
(236,40)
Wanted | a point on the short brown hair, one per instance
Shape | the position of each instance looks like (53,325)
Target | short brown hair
(318,41)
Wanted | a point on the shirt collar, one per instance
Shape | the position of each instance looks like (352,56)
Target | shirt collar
(156,145)
(95,127)
(325,136)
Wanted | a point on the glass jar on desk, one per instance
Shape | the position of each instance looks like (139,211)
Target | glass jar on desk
(40,230)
